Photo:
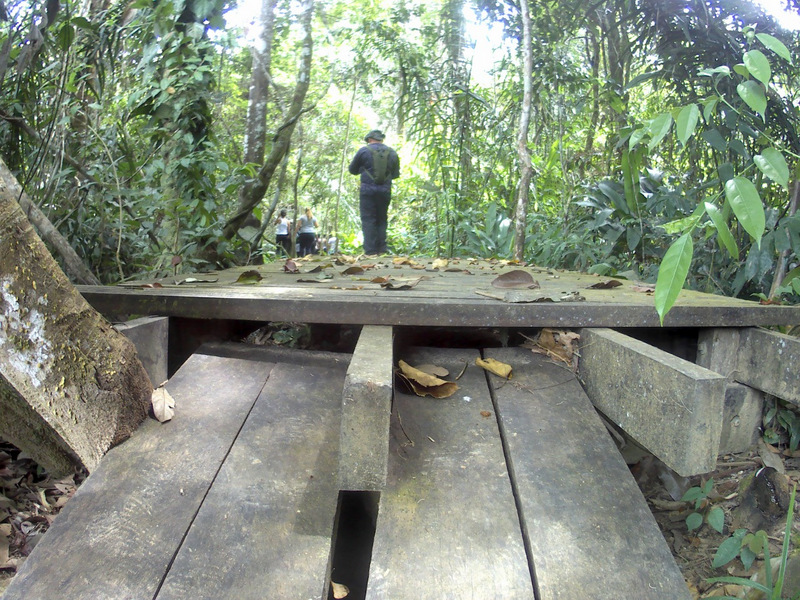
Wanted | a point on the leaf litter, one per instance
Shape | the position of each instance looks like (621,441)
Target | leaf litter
(558,344)
(424,384)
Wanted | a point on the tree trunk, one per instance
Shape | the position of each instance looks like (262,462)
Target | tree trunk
(73,264)
(70,385)
(526,166)
(255,135)
(280,143)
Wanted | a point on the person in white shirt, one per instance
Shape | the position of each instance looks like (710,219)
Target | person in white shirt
(282,237)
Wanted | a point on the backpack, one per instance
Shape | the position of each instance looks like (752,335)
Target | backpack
(380,164)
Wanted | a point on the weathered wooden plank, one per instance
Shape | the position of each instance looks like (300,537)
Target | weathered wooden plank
(591,533)
(366,408)
(116,537)
(763,359)
(150,335)
(264,530)
(447,523)
(669,405)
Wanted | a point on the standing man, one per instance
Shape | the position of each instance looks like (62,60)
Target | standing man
(378,165)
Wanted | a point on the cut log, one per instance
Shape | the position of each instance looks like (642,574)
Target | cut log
(70,385)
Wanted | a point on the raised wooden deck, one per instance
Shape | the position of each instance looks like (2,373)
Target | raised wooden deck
(459,294)
(236,498)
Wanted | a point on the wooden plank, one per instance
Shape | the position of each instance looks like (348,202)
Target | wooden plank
(401,309)
(670,406)
(116,537)
(591,533)
(264,530)
(447,522)
(366,407)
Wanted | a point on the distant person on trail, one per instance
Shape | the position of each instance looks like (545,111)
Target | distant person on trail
(282,237)
(378,165)
(307,233)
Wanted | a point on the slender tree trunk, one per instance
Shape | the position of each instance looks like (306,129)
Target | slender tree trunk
(70,385)
(526,166)
(342,167)
(73,264)
(780,270)
(282,138)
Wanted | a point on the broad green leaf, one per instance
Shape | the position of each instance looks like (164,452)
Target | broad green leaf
(740,69)
(752,93)
(659,127)
(727,551)
(714,139)
(709,106)
(724,69)
(723,233)
(636,137)
(758,65)
(687,122)
(775,45)
(743,197)
(694,521)
(716,518)
(672,274)
(773,165)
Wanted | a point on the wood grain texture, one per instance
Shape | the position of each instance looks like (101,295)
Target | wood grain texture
(264,530)
(447,522)
(591,533)
(116,537)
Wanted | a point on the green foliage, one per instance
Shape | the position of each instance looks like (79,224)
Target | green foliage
(773,589)
(703,510)
(781,424)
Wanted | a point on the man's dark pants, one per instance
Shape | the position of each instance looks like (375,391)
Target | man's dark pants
(374,217)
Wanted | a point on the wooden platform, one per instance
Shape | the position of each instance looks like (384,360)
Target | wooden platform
(236,497)
(423,292)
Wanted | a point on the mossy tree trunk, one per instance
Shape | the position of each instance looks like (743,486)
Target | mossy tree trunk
(70,385)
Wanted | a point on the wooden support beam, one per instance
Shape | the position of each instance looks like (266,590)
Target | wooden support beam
(366,408)
(590,531)
(668,405)
(150,335)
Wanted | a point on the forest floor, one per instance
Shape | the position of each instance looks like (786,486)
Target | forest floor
(30,500)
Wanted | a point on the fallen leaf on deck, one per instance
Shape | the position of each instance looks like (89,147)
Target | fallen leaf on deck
(424,384)
(495,366)
(486,413)
(572,297)
(515,279)
(354,270)
(644,289)
(339,590)
(251,277)
(196,280)
(404,260)
(163,404)
(152,285)
(434,370)
(556,343)
(439,263)
(353,288)
(400,284)
(382,279)
(290,267)
(605,285)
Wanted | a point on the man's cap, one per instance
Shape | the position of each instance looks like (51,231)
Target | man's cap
(375,134)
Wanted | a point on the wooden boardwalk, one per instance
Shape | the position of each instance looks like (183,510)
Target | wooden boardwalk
(423,292)
(236,498)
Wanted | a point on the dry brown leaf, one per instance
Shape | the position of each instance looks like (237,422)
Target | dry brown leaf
(424,384)
(354,270)
(486,413)
(605,285)
(163,404)
(556,343)
(434,370)
(339,590)
(515,279)
(152,285)
(253,276)
(400,284)
(495,366)
(439,263)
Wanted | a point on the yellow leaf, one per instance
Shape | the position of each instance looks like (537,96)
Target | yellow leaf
(495,366)
(424,384)
(339,590)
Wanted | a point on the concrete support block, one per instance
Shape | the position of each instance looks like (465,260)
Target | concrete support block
(366,409)
(741,418)
(770,361)
(150,335)
(668,405)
